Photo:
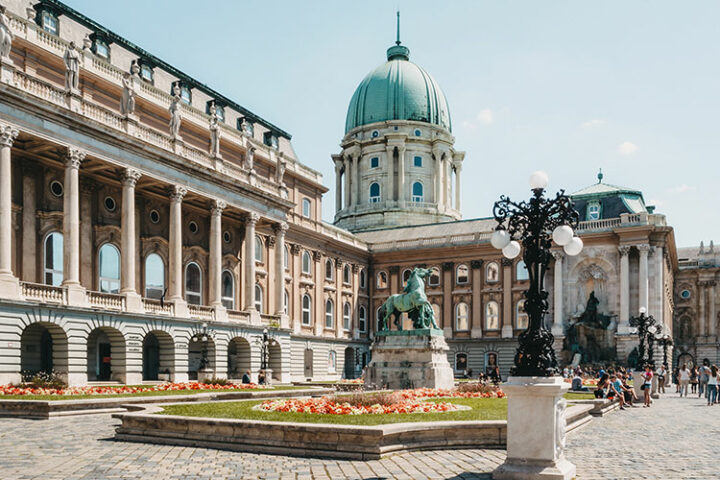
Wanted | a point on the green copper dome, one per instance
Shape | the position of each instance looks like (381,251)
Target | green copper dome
(398,90)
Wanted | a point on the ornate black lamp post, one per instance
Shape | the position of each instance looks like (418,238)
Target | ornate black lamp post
(666,341)
(203,335)
(534,224)
(264,343)
(647,328)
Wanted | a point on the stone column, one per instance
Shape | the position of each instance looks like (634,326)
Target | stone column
(448,182)
(9,283)
(295,309)
(29,225)
(438,178)
(448,319)
(476,312)
(402,194)
(643,297)
(458,168)
(338,187)
(175,267)
(624,321)
(339,305)
(702,331)
(249,265)
(87,244)
(507,302)
(71,228)
(712,316)
(280,230)
(389,193)
(215,266)
(356,179)
(319,297)
(128,241)
(557,328)
(348,197)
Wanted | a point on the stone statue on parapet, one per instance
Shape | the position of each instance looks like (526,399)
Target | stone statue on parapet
(6,36)
(175,115)
(72,68)
(413,301)
(129,81)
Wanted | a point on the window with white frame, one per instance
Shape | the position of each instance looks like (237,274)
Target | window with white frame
(50,23)
(362,318)
(259,298)
(363,279)
(492,273)
(461,317)
(109,269)
(329,313)
(332,361)
(146,72)
(406,276)
(462,274)
(306,309)
(101,49)
(329,268)
(306,208)
(492,316)
(306,263)
(374,192)
(434,277)
(193,284)
(521,273)
(417,192)
(154,276)
(53,265)
(286,257)
(382,280)
(374,162)
(258,249)
(593,211)
(346,316)
(417,161)
(286,303)
(379,318)
(346,274)
(228,290)
(461,361)
(521,316)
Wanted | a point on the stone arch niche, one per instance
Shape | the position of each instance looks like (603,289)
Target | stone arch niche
(275,360)
(239,356)
(106,355)
(44,348)
(158,356)
(349,363)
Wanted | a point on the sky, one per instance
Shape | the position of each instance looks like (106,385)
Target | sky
(567,87)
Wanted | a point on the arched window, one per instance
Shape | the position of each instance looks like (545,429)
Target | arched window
(154,276)
(461,360)
(258,249)
(329,313)
(521,273)
(286,258)
(193,284)
(346,316)
(346,274)
(332,361)
(492,273)
(378,318)
(461,317)
(492,317)
(362,318)
(363,280)
(306,208)
(286,303)
(259,298)
(434,277)
(462,274)
(329,269)
(109,269)
(417,192)
(306,308)
(374,192)
(406,276)
(54,259)
(306,263)
(593,211)
(228,290)
(382,280)
(521,317)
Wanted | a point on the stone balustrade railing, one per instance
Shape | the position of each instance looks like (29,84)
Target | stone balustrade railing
(43,293)
(270,320)
(238,316)
(156,307)
(108,301)
(201,312)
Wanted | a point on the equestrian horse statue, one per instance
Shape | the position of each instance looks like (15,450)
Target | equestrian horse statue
(413,301)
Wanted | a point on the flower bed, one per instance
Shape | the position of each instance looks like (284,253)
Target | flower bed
(122,390)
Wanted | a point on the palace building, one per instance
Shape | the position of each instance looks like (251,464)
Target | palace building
(151,226)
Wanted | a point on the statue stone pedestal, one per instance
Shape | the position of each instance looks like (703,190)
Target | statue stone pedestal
(410,359)
(535,430)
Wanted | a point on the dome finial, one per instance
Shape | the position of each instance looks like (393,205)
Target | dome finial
(397,51)
(397,42)
(600,176)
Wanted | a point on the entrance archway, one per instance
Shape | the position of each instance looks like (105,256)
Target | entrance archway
(349,362)
(106,355)
(44,348)
(200,352)
(239,354)
(275,360)
(685,358)
(308,360)
(158,355)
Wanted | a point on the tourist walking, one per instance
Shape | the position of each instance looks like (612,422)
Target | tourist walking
(693,379)
(676,378)
(684,378)
(661,373)
(712,385)
(703,375)
(647,384)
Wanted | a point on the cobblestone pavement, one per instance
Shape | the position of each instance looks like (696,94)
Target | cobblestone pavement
(675,439)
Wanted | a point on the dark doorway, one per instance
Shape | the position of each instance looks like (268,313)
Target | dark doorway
(46,352)
(349,362)
(104,357)
(151,357)
(308,363)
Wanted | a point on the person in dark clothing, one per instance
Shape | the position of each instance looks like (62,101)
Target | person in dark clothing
(246,377)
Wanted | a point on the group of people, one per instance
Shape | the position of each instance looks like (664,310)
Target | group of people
(702,379)
(262,377)
(615,384)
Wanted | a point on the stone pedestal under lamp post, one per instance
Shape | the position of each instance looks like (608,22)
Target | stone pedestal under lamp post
(536,407)
(203,336)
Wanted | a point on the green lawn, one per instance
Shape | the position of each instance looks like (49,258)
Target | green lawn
(151,393)
(482,409)
(579,396)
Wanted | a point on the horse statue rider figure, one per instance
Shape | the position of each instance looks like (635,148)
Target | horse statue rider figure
(413,301)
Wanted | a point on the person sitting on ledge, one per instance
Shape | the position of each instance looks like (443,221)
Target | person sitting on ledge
(603,386)
(577,384)
(261,377)
(246,377)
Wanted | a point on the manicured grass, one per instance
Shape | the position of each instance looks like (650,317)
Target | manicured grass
(579,396)
(151,393)
(482,409)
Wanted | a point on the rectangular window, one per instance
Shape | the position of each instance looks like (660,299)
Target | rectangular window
(417,161)
(593,211)
(146,72)
(186,95)
(50,23)
(102,50)
(374,162)
(270,140)
(306,208)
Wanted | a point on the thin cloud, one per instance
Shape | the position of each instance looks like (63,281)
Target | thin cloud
(486,116)
(684,188)
(595,122)
(627,148)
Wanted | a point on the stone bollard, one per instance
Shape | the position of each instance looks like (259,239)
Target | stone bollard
(535,430)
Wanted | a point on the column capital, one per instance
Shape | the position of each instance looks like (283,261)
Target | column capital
(624,250)
(130,176)
(270,240)
(294,248)
(74,157)
(317,255)
(447,266)
(8,134)
(217,206)
(506,262)
(280,228)
(87,186)
(177,192)
(251,218)
(355,268)
(476,263)
(558,255)
(643,248)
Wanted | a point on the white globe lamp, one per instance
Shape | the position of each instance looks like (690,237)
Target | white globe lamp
(538,180)
(642,310)
(562,235)
(500,239)
(511,250)
(574,247)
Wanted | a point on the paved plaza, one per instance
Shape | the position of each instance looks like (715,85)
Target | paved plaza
(675,439)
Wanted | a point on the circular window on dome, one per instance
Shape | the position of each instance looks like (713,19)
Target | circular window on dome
(375,134)
(109,203)
(227,238)
(685,294)
(154,216)
(56,188)
(418,133)
(193,227)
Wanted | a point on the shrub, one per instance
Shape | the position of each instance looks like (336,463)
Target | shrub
(216,381)
(43,379)
(369,399)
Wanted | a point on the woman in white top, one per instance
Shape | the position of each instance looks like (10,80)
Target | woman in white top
(684,378)
(712,385)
